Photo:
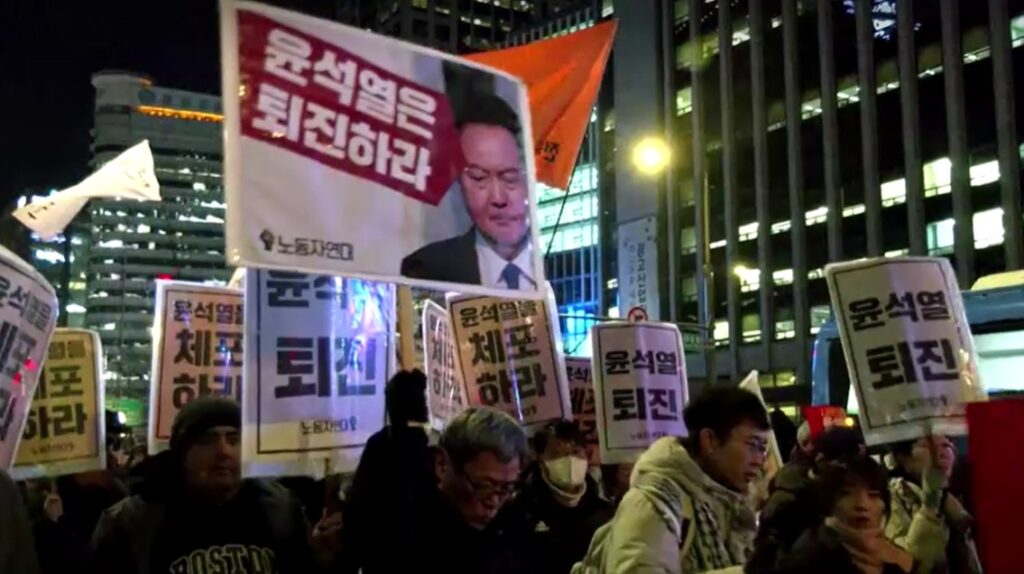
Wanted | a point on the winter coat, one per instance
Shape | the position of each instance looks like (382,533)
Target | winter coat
(17,550)
(819,550)
(674,519)
(940,544)
(135,533)
(561,534)
(790,511)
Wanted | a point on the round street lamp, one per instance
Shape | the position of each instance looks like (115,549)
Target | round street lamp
(651,155)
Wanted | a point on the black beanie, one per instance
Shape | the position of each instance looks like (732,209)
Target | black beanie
(199,416)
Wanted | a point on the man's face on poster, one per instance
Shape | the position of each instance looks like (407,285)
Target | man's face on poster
(494,184)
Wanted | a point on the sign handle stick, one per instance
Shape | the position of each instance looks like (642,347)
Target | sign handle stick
(406,326)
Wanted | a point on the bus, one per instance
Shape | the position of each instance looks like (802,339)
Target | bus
(995,311)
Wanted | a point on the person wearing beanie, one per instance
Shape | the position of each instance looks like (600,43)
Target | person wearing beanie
(200,515)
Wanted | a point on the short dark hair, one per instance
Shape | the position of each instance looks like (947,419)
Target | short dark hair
(722,409)
(839,442)
(849,472)
(491,110)
(405,397)
(557,430)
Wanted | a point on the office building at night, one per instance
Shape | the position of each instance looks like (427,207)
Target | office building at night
(805,132)
(133,243)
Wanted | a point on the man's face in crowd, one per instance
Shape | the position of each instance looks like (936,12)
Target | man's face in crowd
(738,459)
(480,488)
(212,463)
(860,507)
(925,450)
(494,184)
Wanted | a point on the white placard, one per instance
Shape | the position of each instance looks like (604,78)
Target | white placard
(640,387)
(446,395)
(638,268)
(319,351)
(197,351)
(584,413)
(907,345)
(351,153)
(28,314)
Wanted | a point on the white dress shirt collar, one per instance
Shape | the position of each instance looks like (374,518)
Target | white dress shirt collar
(493,265)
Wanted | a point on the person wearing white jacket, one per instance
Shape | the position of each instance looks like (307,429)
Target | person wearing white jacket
(688,510)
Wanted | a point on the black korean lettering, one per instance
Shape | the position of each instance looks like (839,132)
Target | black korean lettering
(489,313)
(229,349)
(933,305)
(185,388)
(19,355)
(204,311)
(68,419)
(5,288)
(488,389)
(616,363)
(299,356)
(353,360)
(57,351)
(644,361)
(225,313)
(8,334)
(530,381)
(286,289)
(38,313)
(521,343)
(663,404)
(488,347)
(328,288)
(76,349)
(469,317)
(7,403)
(228,385)
(668,363)
(938,354)
(18,299)
(239,313)
(577,398)
(892,364)
(865,314)
(42,386)
(182,311)
(65,381)
(527,309)
(629,404)
(194,347)
(902,305)
(508,311)
(37,424)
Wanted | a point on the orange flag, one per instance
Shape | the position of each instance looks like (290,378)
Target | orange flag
(562,76)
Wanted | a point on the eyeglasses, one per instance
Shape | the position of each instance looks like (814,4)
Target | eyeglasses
(757,446)
(488,489)
(481,179)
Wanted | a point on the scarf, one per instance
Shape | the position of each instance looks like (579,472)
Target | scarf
(725,528)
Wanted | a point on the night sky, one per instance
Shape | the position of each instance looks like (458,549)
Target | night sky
(50,48)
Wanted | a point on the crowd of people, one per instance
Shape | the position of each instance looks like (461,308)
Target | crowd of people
(483,497)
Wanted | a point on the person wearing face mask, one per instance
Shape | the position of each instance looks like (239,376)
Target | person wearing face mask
(854,497)
(559,500)
(925,512)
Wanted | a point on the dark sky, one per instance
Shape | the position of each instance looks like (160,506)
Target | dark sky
(50,48)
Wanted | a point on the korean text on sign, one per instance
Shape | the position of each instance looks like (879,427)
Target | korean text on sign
(199,351)
(584,413)
(28,313)
(445,393)
(640,387)
(323,354)
(64,431)
(507,357)
(907,345)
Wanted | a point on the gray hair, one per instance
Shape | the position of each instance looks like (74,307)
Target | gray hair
(477,430)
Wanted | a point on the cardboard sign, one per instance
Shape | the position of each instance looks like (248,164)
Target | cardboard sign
(584,413)
(446,395)
(640,385)
(343,156)
(319,351)
(773,459)
(907,345)
(65,429)
(509,357)
(197,351)
(28,314)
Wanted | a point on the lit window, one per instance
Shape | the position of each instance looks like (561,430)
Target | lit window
(684,101)
(782,277)
(988,228)
(748,232)
(937,177)
(894,192)
(780,227)
(854,210)
(984,173)
(717,244)
(721,332)
(817,215)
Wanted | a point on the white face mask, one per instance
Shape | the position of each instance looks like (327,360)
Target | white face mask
(567,472)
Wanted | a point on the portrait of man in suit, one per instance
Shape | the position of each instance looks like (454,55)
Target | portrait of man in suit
(495,251)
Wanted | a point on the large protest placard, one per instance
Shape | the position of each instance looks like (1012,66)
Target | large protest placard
(584,413)
(350,153)
(446,395)
(509,357)
(64,430)
(907,345)
(640,387)
(319,350)
(197,351)
(28,314)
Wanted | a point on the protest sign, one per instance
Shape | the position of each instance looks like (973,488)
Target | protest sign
(129,175)
(319,351)
(907,345)
(28,314)
(342,156)
(446,395)
(584,414)
(640,387)
(509,357)
(197,351)
(64,430)
(773,458)
(823,417)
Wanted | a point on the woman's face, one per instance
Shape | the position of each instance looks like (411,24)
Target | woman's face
(937,450)
(860,508)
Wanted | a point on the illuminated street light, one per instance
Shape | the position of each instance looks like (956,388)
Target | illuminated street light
(651,155)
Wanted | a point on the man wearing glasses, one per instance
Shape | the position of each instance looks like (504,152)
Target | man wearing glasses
(495,252)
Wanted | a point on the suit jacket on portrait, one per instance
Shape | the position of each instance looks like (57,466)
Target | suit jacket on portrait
(452,260)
